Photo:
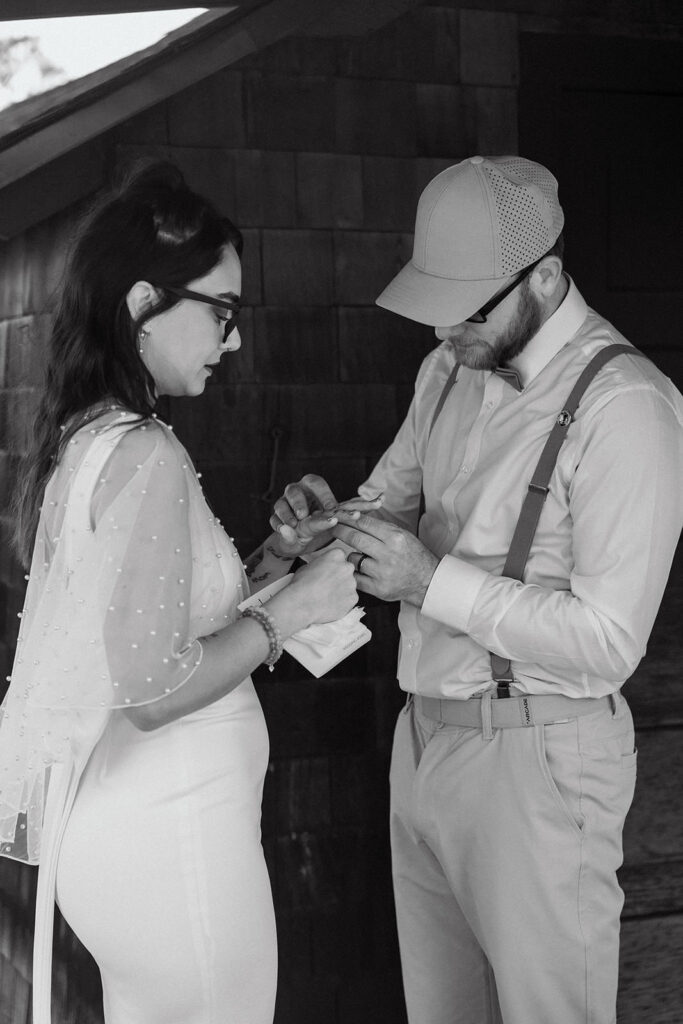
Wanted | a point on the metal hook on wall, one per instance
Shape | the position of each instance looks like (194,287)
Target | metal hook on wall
(276,433)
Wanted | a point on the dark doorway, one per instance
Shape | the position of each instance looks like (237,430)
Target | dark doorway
(605,115)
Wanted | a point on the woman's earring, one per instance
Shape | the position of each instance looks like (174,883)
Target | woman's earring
(142,335)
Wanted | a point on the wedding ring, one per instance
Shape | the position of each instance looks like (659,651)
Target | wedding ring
(360,562)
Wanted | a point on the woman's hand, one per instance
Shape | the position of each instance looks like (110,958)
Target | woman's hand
(305,514)
(307,534)
(322,591)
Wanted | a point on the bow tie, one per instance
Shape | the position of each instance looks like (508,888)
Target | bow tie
(510,375)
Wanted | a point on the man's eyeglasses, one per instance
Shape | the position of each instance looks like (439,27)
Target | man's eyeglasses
(211,300)
(480,316)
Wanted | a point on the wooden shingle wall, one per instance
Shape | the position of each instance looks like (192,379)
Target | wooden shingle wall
(318,149)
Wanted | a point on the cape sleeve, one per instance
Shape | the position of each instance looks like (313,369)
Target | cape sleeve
(145,587)
(106,622)
(112,626)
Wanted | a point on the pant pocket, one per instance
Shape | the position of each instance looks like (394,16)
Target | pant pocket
(560,764)
(609,760)
(629,762)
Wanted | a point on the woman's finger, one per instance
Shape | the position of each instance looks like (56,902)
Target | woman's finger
(284,512)
(319,488)
(288,533)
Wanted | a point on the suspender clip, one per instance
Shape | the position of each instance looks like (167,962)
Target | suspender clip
(539,488)
(564,419)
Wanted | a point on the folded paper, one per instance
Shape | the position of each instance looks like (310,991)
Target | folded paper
(324,644)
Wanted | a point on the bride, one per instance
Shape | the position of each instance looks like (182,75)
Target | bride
(132,744)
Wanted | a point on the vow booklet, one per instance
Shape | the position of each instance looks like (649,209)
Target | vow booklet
(324,644)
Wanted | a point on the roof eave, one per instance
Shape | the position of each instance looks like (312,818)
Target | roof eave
(77,114)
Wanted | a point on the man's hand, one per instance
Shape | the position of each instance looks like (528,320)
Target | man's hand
(395,564)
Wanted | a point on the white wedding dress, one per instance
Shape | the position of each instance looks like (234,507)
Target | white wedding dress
(153,840)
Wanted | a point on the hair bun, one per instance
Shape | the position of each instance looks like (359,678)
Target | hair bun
(159,186)
(152,177)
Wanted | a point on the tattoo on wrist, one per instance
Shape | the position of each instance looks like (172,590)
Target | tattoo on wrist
(281,558)
(254,559)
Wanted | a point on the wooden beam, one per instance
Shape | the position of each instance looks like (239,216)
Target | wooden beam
(22,9)
(53,187)
(22,119)
(158,75)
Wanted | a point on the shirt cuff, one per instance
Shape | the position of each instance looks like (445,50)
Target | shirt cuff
(452,592)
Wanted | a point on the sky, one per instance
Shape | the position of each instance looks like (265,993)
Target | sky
(82,44)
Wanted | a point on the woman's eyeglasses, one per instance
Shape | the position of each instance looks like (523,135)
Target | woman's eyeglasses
(211,300)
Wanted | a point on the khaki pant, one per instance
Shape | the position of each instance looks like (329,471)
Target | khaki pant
(505,854)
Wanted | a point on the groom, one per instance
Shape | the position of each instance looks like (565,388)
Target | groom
(513,765)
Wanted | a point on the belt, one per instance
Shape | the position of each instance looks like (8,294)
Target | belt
(512,713)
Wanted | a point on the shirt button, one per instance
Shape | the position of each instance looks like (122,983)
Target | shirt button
(465,469)
(489,405)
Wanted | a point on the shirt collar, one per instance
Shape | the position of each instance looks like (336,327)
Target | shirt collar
(553,335)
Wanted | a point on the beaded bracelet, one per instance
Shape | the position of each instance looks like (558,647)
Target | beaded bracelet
(274,635)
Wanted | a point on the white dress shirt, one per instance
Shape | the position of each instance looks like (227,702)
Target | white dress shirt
(597,568)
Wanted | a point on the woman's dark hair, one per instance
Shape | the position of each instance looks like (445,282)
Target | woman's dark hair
(151,227)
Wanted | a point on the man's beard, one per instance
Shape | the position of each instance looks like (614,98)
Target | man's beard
(525,325)
(478,354)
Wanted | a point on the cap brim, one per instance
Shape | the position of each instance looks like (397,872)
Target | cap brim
(436,301)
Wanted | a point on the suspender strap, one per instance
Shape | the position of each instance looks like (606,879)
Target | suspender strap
(452,378)
(525,529)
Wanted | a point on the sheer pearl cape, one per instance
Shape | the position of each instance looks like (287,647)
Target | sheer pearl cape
(106,622)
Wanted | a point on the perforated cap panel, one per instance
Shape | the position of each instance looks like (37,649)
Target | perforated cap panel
(529,214)
(478,223)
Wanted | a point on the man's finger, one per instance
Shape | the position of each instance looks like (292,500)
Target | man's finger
(321,521)
(378,528)
(314,524)
(358,504)
(365,584)
(362,542)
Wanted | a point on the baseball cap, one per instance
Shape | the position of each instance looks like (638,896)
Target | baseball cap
(477,223)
